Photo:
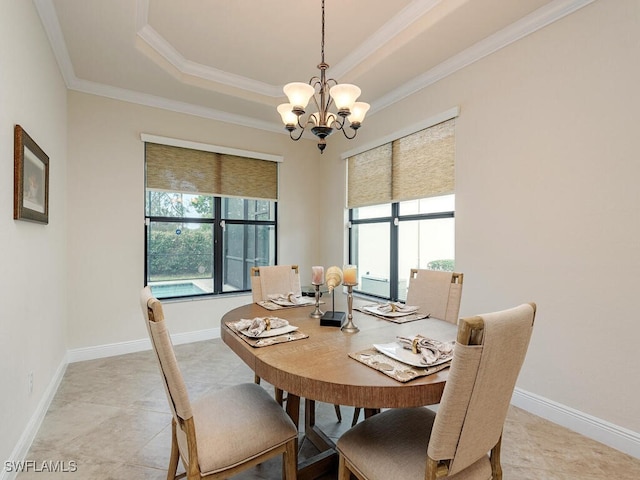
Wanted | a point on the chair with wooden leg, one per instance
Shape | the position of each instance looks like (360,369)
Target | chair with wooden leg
(224,432)
(277,280)
(462,440)
(434,292)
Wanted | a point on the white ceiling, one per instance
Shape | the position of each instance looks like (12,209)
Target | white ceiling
(228,59)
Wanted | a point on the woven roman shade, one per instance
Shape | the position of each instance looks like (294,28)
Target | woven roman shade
(423,163)
(419,165)
(368,177)
(248,178)
(177,169)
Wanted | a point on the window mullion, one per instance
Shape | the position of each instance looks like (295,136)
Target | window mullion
(218,233)
(393,257)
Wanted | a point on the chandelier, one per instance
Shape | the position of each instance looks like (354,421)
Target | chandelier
(325,94)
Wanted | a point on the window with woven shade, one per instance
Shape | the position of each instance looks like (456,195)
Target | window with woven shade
(209,217)
(401,200)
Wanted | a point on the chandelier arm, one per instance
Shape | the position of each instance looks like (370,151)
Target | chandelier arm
(324,122)
(338,123)
(295,139)
(344,130)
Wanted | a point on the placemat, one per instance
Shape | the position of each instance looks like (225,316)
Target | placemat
(397,370)
(269,305)
(404,319)
(265,342)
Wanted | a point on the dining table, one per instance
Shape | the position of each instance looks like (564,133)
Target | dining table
(318,367)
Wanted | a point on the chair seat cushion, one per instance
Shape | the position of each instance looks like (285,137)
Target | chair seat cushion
(236,424)
(393,444)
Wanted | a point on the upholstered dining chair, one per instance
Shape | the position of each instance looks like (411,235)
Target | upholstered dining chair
(277,279)
(435,292)
(224,432)
(462,440)
(274,279)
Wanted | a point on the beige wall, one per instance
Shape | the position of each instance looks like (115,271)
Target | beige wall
(548,204)
(106,214)
(547,207)
(33,301)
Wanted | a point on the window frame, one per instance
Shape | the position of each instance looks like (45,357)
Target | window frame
(394,222)
(395,218)
(219,224)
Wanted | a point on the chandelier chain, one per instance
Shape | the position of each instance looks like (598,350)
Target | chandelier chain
(320,89)
(322,42)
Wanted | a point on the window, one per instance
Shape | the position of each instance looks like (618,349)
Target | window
(402,210)
(201,239)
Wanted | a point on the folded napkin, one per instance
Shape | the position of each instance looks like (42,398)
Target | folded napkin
(256,326)
(289,297)
(432,351)
(396,307)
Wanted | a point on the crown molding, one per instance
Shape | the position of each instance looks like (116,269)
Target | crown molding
(531,23)
(187,67)
(49,20)
(159,44)
(527,25)
(155,101)
(382,36)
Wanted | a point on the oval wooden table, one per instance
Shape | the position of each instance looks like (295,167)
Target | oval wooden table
(318,368)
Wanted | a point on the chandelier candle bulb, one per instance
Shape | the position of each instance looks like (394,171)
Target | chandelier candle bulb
(317,275)
(350,275)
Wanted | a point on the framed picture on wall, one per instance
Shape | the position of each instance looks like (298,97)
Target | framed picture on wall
(31,179)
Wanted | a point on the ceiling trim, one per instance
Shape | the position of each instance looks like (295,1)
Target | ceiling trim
(148,100)
(49,20)
(531,23)
(527,25)
(389,30)
(159,44)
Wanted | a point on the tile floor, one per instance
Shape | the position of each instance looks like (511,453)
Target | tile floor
(111,417)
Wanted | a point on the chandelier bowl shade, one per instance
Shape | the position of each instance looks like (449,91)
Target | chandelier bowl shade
(288,117)
(358,111)
(298,94)
(344,96)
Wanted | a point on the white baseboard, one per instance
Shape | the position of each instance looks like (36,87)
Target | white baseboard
(620,438)
(77,355)
(113,349)
(602,431)
(31,430)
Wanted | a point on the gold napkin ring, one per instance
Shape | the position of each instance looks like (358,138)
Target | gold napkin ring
(414,345)
(394,308)
(267,323)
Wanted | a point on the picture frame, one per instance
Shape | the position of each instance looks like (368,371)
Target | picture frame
(31,179)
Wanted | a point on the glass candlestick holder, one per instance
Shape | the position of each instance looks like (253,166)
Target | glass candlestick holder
(317,313)
(350,327)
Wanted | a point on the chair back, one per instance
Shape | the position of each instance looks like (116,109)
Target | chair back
(436,293)
(489,353)
(274,279)
(174,385)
